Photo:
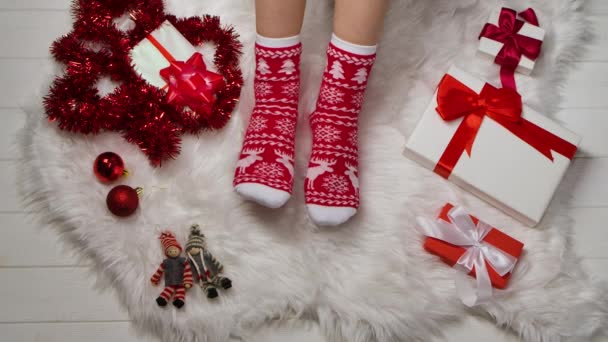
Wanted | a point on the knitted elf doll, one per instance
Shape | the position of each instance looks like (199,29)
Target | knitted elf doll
(206,269)
(178,275)
(265,170)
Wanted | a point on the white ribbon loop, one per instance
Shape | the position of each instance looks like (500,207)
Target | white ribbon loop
(463,232)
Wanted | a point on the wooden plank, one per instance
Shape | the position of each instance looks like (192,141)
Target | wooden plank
(54,294)
(25,236)
(481,329)
(13,119)
(591,124)
(9,201)
(598,49)
(21,5)
(584,96)
(589,73)
(22,79)
(123,332)
(291,332)
(597,268)
(585,183)
(596,7)
(38,28)
(590,235)
(70,332)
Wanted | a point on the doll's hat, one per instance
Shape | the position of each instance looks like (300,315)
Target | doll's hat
(169,240)
(196,239)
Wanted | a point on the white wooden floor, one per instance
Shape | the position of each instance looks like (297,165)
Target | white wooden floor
(46,295)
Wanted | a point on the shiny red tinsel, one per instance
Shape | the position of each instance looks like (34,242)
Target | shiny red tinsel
(96,48)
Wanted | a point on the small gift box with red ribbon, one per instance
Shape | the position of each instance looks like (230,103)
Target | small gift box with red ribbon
(463,241)
(167,60)
(512,39)
(485,140)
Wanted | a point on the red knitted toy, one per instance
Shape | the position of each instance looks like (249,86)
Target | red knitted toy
(177,272)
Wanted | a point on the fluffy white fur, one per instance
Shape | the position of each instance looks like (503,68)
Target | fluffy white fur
(369,280)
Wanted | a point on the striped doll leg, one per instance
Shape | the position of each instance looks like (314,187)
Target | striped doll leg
(165,296)
(223,282)
(180,296)
(209,289)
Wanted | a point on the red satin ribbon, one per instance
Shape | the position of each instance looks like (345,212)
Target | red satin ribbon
(515,45)
(189,83)
(503,105)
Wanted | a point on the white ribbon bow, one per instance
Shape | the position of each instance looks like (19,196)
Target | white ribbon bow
(464,233)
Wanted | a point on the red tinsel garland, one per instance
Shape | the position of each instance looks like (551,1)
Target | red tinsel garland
(96,48)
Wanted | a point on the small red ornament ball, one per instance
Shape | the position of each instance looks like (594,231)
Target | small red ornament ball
(123,200)
(108,167)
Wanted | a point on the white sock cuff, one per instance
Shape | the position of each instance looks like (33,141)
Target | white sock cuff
(364,50)
(277,42)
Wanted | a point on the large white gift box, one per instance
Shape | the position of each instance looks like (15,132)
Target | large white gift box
(155,52)
(512,174)
(490,48)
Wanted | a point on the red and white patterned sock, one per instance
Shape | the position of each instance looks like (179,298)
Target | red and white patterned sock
(332,180)
(264,172)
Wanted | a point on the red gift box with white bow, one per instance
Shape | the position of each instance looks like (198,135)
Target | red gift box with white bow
(477,248)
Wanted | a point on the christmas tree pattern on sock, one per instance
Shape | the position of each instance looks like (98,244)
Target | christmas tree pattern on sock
(332,180)
(264,172)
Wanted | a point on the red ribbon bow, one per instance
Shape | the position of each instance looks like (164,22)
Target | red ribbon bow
(503,105)
(191,84)
(515,45)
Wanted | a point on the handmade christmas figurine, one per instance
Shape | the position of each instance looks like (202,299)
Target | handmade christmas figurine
(206,269)
(177,272)
(265,170)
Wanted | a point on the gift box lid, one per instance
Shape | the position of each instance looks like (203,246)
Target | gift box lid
(451,253)
(502,168)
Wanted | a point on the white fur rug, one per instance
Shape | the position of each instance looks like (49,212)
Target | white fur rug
(369,280)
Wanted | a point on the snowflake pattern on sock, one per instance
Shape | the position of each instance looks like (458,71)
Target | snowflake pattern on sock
(291,89)
(257,124)
(357,99)
(335,183)
(331,95)
(268,170)
(332,177)
(353,137)
(327,133)
(262,89)
(285,126)
(268,147)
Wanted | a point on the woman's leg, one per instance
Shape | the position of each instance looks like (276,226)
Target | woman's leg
(264,172)
(332,184)
(279,18)
(359,21)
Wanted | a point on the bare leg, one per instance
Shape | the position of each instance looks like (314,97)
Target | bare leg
(279,18)
(359,21)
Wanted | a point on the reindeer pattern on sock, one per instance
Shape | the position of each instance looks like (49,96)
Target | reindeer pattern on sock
(251,157)
(286,160)
(323,166)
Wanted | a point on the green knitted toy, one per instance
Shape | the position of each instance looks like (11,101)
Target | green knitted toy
(205,268)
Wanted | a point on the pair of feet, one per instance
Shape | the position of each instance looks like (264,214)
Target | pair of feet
(265,170)
(178,303)
(211,290)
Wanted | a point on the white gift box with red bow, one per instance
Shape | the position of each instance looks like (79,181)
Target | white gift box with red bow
(490,48)
(148,59)
(502,168)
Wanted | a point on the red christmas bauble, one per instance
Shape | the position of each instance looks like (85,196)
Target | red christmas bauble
(123,200)
(108,167)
